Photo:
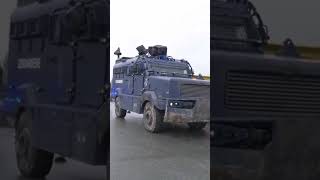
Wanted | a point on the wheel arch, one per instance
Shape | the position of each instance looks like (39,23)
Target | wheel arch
(148,96)
(143,105)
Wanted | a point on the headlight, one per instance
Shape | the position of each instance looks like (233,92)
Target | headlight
(181,104)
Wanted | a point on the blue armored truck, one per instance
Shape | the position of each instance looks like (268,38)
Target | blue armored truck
(58,79)
(161,88)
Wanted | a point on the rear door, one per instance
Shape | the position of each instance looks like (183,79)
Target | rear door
(91,73)
(138,79)
(127,91)
(138,87)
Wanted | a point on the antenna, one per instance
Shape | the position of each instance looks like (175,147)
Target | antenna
(118,52)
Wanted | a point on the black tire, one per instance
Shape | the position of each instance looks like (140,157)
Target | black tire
(120,113)
(197,126)
(107,172)
(32,162)
(152,118)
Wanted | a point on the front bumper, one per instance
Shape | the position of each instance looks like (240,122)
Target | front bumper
(199,113)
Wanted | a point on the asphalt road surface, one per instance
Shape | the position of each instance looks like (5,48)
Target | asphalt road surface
(175,154)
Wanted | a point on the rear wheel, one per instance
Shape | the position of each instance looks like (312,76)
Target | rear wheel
(120,113)
(152,118)
(32,162)
(197,126)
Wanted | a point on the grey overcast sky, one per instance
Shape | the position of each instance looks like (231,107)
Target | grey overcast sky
(147,22)
(181,25)
(297,19)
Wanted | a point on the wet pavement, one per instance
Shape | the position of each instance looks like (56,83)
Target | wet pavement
(175,154)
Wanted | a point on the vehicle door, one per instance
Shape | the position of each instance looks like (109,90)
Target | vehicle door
(139,79)
(138,85)
(128,89)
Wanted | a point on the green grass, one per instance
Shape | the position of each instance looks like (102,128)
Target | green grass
(306,52)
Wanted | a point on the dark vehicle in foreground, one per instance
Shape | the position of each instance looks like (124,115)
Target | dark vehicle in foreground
(57,76)
(265,108)
(160,87)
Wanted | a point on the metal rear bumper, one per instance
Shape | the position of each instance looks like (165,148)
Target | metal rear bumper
(199,113)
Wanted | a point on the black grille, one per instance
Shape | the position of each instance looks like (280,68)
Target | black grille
(272,92)
(194,90)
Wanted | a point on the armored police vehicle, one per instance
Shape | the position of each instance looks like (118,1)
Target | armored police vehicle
(57,82)
(161,88)
(265,108)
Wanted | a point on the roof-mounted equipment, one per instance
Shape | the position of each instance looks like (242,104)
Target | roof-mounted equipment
(142,50)
(157,50)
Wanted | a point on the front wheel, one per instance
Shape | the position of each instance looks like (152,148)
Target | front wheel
(32,162)
(197,126)
(120,113)
(152,118)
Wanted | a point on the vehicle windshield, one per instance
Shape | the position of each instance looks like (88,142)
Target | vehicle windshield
(234,27)
(171,71)
(231,29)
